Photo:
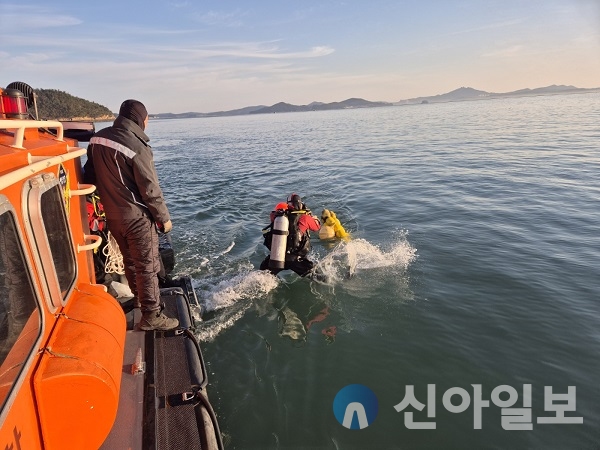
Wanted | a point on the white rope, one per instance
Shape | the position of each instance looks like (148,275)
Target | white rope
(114,258)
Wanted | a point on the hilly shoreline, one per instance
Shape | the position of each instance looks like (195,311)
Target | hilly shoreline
(458,95)
(58,105)
(470,94)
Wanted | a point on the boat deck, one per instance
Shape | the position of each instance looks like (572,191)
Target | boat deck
(171,409)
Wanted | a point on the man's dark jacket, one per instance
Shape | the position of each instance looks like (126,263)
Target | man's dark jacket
(121,159)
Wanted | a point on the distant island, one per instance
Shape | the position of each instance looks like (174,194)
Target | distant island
(458,95)
(58,105)
(469,94)
(280,107)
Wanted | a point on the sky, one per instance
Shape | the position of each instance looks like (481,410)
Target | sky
(208,55)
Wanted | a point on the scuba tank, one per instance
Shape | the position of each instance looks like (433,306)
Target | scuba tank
(279,241)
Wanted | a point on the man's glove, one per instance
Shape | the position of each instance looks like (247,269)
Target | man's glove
(165,227)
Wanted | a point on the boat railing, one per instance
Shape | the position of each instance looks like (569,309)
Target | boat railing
(38,166)
(21,125)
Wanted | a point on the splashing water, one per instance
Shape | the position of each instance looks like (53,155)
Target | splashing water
(244,286)
(359,254)
(226,298)
(210,329)
(227,250)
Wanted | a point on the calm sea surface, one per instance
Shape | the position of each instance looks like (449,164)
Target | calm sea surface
(475,259)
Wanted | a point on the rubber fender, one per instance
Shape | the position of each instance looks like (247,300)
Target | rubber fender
(77,385)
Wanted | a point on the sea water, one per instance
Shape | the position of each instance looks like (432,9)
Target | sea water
(472,274)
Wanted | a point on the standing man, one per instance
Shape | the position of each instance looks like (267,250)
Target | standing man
(121,164)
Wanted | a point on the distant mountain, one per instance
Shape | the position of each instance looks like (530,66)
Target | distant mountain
(187,115)
(351,103)
(458,95)
(280,107)
(236,112)
(55,104)
(468,94)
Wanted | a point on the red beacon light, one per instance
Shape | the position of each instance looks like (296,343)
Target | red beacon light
(14,104)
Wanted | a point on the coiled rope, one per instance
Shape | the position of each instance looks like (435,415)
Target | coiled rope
(114,258)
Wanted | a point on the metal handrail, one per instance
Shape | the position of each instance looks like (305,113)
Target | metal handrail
(27,171)
(97,240)
(21,125)
(84,189)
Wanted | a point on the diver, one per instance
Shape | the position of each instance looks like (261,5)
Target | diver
(288,237)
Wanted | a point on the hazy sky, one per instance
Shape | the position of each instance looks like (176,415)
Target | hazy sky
(205,56)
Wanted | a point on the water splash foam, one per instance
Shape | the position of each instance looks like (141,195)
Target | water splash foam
(227,301)
(243,286)
(359,254)
(227,297)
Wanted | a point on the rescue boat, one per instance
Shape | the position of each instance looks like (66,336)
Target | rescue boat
(75,373)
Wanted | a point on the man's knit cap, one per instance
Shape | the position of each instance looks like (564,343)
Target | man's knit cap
(134,110)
